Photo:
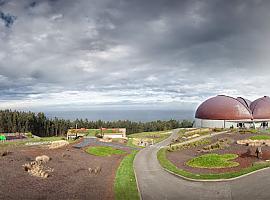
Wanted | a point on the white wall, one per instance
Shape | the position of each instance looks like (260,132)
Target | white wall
(114,135)
(205,123)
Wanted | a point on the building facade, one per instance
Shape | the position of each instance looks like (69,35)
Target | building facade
(228,112)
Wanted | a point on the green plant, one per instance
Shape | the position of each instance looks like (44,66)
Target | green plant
(220,144)
(28,134)
(104,151)
(213,161)
(165,163)
(218,129)
(155,136)
(260,137)
(189,145)
(125,186)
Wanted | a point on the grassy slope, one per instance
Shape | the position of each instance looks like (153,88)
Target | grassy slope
(213,161)
(156,136)
(130,143)
(104,151)
(165,163)
(125,187)
(23,142)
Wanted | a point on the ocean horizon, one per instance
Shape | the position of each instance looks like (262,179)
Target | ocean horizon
(132,115)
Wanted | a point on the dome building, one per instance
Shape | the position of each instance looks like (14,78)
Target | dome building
(225,112)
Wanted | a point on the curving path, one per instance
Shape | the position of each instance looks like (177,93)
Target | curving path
(155,183)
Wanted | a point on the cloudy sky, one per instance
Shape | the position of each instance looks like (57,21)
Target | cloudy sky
(172,54)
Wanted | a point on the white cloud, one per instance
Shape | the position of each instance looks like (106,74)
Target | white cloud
(77,55)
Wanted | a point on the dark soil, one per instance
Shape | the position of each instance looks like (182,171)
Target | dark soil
(179,158)
(69,180)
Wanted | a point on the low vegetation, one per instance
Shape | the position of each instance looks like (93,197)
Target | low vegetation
(95,132)
(125,186)
(176,147)
(165,163)
(130,143)
(211,161)
(185,135)
(104,151)
(246,131)
(220,144)
(14,143)
(151,136)
(260,137)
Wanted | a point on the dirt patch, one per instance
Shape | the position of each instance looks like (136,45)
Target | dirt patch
(179,158)
(76,175)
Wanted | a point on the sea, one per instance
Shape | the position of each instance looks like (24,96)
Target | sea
(132,115)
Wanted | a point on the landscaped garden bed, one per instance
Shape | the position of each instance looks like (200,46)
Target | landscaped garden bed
(73,175)
(216,157)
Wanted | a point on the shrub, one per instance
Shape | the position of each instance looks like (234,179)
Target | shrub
(190,145)
(28,134)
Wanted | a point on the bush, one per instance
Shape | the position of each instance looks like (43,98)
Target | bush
(98,135)
(218,129)
(190,145)
(28,134)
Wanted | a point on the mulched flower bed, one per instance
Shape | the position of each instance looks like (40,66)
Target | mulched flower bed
(179,158)
(70,179)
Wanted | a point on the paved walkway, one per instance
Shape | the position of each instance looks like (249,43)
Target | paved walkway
(155,183)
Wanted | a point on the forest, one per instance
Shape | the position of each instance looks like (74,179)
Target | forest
(40,125)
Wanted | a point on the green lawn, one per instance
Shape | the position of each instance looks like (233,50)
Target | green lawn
(104,151)
(125,187)
(260,137)
(14,143)
(93,132)
(213,161)
(165,163)
(130,143)
(155,136)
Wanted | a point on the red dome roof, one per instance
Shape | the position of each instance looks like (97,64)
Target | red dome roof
(261,108)
(244,101)
(223,108)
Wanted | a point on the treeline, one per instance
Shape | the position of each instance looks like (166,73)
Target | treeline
(38,124)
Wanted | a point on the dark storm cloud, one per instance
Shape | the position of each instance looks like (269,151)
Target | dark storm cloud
(174,52)
(7,18)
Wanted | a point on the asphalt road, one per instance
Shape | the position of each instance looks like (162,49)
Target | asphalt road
(155,183)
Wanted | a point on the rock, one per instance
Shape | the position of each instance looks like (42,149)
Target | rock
(58,144)
(37,169)
(43,158)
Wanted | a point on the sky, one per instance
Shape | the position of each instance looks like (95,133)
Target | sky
(127,54)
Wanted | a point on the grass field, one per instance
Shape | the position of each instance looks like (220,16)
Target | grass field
(130,143)
(93,132)
(104,151)
(155,136)
(213,161)
(260,137)
(165,163)
(125,186)
(12,143)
